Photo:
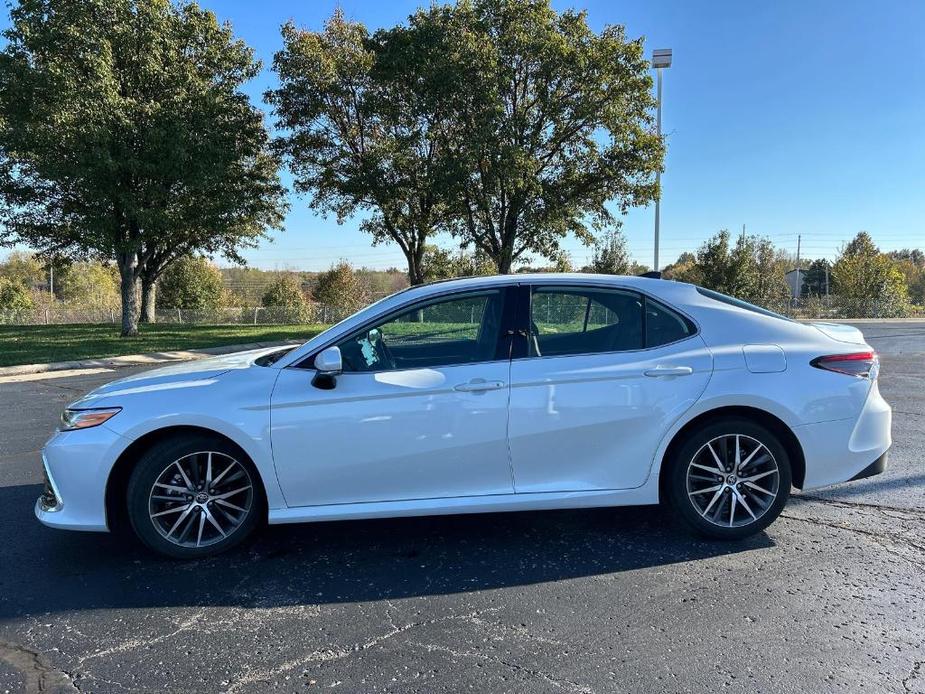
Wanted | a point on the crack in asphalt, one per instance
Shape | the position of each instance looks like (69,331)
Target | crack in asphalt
(338,653)
(859,505)
(890,537)
(913,674)
(39,677)
(567,684)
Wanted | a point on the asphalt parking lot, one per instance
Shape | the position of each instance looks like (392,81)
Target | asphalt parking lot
(830,598)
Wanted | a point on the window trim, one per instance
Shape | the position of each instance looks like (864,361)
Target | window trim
(508,301)
(578,288)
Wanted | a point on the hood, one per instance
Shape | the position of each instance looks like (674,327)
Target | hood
(187,374)
(841,332)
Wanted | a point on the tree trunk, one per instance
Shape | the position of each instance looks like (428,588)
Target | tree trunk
(506,260)
(128,273)
(415,260)
(148,296)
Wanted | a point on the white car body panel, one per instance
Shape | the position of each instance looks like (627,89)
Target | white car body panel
(559,432)
(593,421)
(391,436)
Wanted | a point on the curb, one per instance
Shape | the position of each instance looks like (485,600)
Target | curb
(150,358)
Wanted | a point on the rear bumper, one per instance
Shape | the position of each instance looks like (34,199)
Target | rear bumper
(842,450)
(875,468)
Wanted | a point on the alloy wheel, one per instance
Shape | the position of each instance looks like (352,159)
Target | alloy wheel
(733,480)
(200,499)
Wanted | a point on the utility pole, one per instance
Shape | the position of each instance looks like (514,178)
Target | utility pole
(799,288)
(661,58)
(826,281)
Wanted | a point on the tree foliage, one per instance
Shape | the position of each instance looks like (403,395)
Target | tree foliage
(191,282)
(442,264)
(868,284)
(88,284)
(340,289)
(816,278)
(286,293)
(549,121)
(15,295)
(125,135)
(611,256)
(357,135)
(749,269)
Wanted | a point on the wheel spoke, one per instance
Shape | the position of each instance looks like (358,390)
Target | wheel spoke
(202,524)
(732,508)
(706,490)
(223,473)
(752,485)
(171,510)
(754,478)
(712,501)
(209,469)
(741,499)
(714,470)
(189,485)
(231,493)
(172,487)
(230,505)
(208,514)
(719,463)
(176,525)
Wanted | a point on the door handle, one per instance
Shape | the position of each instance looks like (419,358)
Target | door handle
(669,371)
(479,385)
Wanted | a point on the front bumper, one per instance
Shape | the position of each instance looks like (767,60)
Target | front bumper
(76,468)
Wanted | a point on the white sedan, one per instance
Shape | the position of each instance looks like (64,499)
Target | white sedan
(506,393)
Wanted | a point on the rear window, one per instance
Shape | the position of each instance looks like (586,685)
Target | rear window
(738,303)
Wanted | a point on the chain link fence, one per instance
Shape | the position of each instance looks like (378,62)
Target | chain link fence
(257,315)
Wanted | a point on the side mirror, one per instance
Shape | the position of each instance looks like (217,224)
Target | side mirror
(328,365)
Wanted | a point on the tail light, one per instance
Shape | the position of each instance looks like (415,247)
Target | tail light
(860,364)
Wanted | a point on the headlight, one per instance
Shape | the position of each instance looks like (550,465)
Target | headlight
(84,419)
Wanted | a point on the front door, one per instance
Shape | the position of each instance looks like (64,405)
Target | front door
(607,373)
(419,412)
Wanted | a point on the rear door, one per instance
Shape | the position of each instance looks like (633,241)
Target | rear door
(607,372)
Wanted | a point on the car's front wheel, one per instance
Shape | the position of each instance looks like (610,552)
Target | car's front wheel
(729,479)
(193,496)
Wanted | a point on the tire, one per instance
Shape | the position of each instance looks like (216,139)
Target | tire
(172,509)
(740,502)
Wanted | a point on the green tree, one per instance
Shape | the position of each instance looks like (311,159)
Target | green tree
(816,278)
(867,283)
(15,295)
(749,270)
(359,137)
(912,264)
(89,284)
(340,289)
(191,282)
(24,268)
(549,121)
(125,134)
(611,256)
(286,293)
(441,264)
(683,269)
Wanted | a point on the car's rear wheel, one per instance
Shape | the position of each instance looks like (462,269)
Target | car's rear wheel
(194,496)
(729,479)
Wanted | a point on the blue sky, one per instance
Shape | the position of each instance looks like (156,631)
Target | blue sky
(792,117)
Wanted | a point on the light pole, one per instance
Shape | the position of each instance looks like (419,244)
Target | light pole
(661,58)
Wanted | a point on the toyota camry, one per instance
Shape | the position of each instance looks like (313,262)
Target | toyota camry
(508,393)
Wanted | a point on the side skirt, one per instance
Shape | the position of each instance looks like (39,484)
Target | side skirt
(540,501)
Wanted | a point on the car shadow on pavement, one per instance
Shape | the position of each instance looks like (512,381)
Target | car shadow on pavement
(48,571)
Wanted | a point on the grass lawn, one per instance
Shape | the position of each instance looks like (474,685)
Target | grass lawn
(38,344)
